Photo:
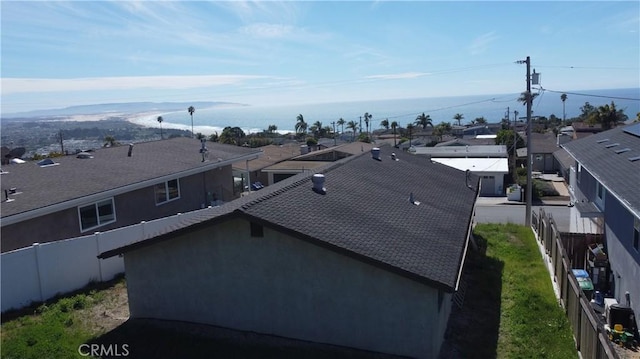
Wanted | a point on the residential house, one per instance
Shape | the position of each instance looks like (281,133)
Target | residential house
(271,154)
(485,140)
(543,145)
(604,188)
(583,129)
(71,196)
(361,253)
(311,160)
(489,162)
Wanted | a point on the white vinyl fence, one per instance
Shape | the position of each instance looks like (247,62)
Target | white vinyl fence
(42,271)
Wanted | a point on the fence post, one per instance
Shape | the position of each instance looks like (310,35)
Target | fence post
(36,251)
(97,236)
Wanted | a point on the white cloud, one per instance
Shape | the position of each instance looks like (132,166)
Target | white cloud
(37,85)
(404,75)
(263,30)
(482,42)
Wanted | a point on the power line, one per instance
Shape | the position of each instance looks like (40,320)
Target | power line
(588,95)
(589,67)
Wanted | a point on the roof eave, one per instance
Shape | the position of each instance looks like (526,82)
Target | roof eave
(38,212)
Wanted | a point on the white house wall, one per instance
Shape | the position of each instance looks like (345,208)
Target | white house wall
(284,286)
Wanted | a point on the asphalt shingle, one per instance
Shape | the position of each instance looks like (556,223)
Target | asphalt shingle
(614,170)
(109,169)
(366,213)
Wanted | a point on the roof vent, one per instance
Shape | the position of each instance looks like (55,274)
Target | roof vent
(318,183)
(611,145)
(623,150)
(413,200)
(375,154)
(393,156)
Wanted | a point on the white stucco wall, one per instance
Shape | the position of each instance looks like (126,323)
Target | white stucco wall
(284,286)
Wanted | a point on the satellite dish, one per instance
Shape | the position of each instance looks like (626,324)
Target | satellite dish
(17,152)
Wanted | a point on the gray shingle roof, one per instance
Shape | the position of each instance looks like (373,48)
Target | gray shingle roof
(109,169)
(614,170)
(366,213)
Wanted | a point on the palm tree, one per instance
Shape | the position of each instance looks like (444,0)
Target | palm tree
(367,116)
(424,121)
(394,126)
(352,125)
(442,129)
(341,123)
(384,123)
(480,121)
(318,128)
(563,97)
(160,119)
(523,97)
(191,110)
(608,116)
(410,128)
(458,117)
(301,126)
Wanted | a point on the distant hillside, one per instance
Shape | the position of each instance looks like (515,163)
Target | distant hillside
(129,107)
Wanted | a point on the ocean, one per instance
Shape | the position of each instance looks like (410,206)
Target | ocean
(441,109)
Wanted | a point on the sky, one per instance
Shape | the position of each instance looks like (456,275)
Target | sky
(56,54)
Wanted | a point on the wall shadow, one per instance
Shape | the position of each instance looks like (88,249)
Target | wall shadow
(473,330)
(159,339)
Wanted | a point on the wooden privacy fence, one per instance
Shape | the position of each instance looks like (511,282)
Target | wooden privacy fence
(566,251)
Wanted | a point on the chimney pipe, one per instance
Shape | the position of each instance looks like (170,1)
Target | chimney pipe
(318,183)
(130,150)
(375,153)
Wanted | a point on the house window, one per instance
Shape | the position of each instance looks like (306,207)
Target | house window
(96,214)
(636,234)
(257,230)
(600,193)
(167,191)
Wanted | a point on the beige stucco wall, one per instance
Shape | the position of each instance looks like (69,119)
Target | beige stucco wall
(281,285)
(130,208)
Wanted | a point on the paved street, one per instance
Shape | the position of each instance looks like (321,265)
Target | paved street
(499,210)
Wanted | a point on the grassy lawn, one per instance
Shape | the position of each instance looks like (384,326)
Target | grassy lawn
(58,327)
(509,311)
(509,306)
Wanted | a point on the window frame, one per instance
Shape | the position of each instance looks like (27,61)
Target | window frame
(96,212)
(167,191)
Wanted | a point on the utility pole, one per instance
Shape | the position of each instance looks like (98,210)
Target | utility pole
(515,142)
(360,129)
(527,220)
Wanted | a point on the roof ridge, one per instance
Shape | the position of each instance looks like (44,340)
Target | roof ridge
(297,180)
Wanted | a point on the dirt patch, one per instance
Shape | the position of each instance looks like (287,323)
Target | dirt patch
(110,310)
